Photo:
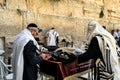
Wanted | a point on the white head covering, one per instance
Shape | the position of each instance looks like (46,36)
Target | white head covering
(18,62)
(94,28)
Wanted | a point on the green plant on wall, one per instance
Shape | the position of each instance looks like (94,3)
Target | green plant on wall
(101,15)
(55,0)
(19,12)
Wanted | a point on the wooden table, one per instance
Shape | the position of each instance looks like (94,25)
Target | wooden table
(60,71)
(57,69)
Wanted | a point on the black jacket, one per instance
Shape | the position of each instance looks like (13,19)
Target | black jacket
(31,59)
(94,53)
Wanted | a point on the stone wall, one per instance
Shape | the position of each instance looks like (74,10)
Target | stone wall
(69,17)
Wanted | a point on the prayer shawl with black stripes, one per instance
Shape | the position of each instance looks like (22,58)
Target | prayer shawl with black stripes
(110,68)
(104,69)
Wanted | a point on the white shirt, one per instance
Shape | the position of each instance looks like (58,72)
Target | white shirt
(51,37)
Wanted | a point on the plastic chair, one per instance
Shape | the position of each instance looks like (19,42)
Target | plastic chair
(6,71)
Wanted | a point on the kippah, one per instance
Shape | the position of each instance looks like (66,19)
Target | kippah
(52,28)
(32,25)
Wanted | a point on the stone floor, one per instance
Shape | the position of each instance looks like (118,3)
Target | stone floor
(40,77)
(43,76)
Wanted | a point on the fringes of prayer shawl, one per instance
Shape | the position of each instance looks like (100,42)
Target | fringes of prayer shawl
(118,51)
(102,73)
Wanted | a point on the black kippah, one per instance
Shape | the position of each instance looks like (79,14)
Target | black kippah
(32,25)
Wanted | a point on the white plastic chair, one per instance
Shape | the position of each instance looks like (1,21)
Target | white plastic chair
(2,58)
(6,72)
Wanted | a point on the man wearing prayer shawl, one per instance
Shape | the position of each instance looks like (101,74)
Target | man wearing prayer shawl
(102,48)
(26,55)
(52,37)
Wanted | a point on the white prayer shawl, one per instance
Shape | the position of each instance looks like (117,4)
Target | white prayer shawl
(18,62)
(51,37)
(109,39)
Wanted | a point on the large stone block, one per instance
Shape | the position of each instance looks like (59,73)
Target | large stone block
(10,22)
(111,5)
(17,4)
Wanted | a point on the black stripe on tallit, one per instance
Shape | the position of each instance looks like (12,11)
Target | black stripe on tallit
(108,64)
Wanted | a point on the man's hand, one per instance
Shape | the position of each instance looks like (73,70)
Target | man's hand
(43,55)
